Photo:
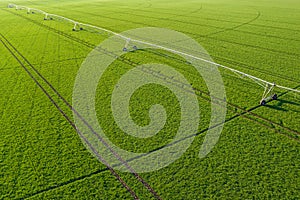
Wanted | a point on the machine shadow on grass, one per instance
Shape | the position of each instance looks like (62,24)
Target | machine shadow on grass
(281,102)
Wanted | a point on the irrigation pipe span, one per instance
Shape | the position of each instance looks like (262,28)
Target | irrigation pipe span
(268,86)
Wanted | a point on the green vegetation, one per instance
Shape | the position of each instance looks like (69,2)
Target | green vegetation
(257,156)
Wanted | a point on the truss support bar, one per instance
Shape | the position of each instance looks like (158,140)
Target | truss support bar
(126,45)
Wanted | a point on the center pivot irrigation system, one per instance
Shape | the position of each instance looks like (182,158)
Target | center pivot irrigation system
(268,86)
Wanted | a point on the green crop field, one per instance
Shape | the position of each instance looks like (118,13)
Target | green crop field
(258,153)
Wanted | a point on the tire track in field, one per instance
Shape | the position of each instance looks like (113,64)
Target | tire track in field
(223,20)
(15,53)
(127,61)
(266,35)
(235,27)
(198,36)
(151,17)
(206,25)
(30,116)
(23,63)
(130,62)
(174,15)
(70,37)
(232,62)
(157,149)
(235,63)
(73,38)
(260,70)
(275,27)
(31,94)
(281,22)
(60,61)
(208,35)
(181,15)
(59,185)
(248,32)
(223,60)
(6,68)
(49,62)
(244,115)
(266,49)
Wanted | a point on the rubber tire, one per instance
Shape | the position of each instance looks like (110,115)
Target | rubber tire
(263,102)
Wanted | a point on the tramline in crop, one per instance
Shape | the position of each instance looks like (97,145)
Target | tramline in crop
(268,86)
